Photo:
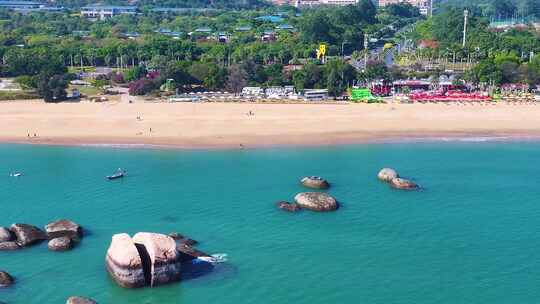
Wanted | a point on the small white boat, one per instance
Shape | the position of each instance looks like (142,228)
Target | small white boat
(119,174)
(15,174)
(214,258)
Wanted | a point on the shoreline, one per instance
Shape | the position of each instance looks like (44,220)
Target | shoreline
(245,125)
(335,140)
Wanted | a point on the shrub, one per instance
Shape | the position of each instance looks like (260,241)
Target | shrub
(142,86)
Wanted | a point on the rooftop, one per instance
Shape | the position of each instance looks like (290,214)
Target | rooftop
(7,2)
(109,7)
(203,30)
(285,27)
(273,19)
(243,28)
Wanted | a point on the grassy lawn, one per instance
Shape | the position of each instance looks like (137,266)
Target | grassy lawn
(18,95)
(86,90)
(77,69)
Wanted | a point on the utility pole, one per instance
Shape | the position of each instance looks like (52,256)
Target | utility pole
(465,19)
(366,50)
(431,8)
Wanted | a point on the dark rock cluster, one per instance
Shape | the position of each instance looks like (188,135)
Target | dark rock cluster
(62,234)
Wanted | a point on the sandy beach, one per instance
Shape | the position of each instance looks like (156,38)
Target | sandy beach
(228,125)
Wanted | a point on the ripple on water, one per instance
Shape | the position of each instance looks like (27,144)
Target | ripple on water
(468,238)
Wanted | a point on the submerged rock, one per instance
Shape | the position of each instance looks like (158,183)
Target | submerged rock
(176,236)
(315,182)
(387,175)
(164,260)
(5,279)
(188,253)
(124,262)
(182,239)
(188,241)
(316,201)
(27,234)
(62,243)
(291,207)
(6,235)
(80,300)
(61,228)
(404,184)
(5,246)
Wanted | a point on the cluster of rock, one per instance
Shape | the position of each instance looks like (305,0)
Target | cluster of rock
(315,201)
(61,235)
(148,259)
(391,177)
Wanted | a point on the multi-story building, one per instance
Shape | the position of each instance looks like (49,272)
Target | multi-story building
(13,5)
(102,12)
(27,6)
(423,5)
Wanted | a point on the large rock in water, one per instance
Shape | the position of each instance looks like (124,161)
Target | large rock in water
(387,175)
(288,206)
(27,234)
(62,243)
(163,257)
(5,246)
(316,201)
(124,262)
(61,228)
(6,235)
(5,279)
(404,184)
(315,182)
(80,300)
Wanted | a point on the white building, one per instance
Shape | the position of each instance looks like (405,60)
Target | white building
(310,3)
(317,94)
(103,12)
(423,5)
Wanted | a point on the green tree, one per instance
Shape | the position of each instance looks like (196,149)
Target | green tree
(236,79)
(52,88)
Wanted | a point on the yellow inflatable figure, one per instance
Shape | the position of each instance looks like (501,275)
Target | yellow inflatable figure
(321,51)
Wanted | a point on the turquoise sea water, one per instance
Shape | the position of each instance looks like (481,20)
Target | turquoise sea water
(472,236)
